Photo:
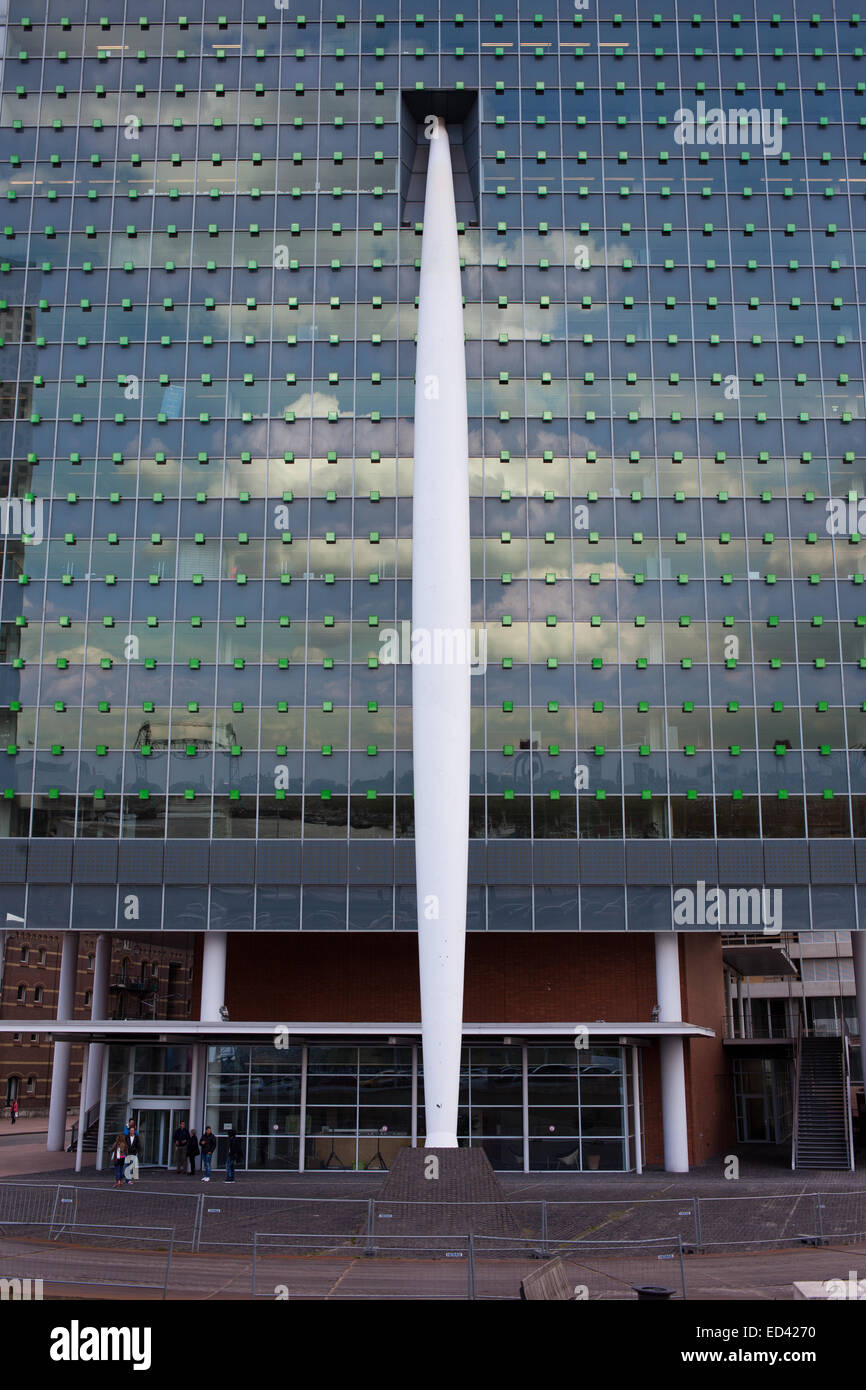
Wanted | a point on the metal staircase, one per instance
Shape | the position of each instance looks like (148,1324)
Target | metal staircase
(115,1118)
(823,1133)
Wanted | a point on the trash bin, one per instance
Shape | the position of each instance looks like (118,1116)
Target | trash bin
(652,1291)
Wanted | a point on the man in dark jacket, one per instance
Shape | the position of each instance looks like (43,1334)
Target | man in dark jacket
(234,1153)
(192,1151)
(181,1140)
(207,1144)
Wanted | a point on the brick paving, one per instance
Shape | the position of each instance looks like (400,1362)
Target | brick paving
(461,1188)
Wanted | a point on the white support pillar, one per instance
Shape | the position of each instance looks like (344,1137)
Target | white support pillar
(673,1067)
(82,1110)
(103,1098)
(99,1011)
(196,1088)
(302,1110)
(729,1002)
(524,1096)
(858,951)
(414,1132)
(741,1012)
(213,994)
(60,1065)
(442,646)
(213,976)
(635,1091)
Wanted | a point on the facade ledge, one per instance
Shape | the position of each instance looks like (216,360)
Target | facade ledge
(167,1030)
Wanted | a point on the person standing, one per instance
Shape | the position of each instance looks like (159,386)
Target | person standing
(118,1157)
(207,1144)
(192,1151)
(13,1111)
(234,1153)
(181,1140)
(133,1148)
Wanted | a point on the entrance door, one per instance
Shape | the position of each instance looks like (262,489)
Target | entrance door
(153,1126)
(155,1130)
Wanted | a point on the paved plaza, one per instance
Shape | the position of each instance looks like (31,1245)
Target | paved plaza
(333,1235)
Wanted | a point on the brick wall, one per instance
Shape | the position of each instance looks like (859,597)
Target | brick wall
(374,978)
(509,979)
(708,1077)
(31,1060)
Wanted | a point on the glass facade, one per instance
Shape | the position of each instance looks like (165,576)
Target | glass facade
(354,1103)
(256,1090)
(209,256)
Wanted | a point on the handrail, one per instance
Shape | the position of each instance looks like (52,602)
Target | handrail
(796,1120)
(90,1117)
(846,1080)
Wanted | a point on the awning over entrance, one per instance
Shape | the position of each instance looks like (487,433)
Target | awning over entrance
(150,1030)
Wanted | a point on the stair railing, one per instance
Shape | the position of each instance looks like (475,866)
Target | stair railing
(846,1079)
(90,1118)
(796,1129)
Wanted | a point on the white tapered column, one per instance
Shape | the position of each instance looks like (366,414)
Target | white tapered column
(82,1110)
(673,1067)
(59,1098)
(196,1087)
(441,618)
(213,976)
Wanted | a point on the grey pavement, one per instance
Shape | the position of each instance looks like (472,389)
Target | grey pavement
(703,1209)
(86,1270)
(342,1215)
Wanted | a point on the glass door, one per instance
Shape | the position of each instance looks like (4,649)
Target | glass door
(153,1127)
(155,1130)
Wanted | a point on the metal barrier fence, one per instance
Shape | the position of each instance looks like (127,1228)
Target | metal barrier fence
(87,1255)
(812,1217)
(288,1267)
(21,1202)
(227,1222)
(463,1267)
(839,1212)
(84,1203)
(456,1218)
(215,1220)
(638,1219)
(88,1261)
